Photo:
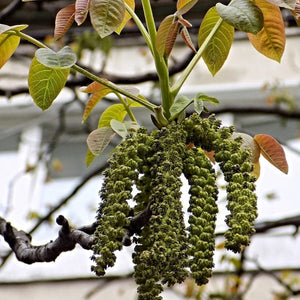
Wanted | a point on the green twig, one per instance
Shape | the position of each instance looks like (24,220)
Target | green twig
(160,64)
(127,107)
(178,84)
(91,76)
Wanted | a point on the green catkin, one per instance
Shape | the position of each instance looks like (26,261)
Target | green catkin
(164,248)
(203,210)
(114,208)
(236,167)
(242,201)
(160,253)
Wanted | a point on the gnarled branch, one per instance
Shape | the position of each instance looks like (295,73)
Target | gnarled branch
(20,241)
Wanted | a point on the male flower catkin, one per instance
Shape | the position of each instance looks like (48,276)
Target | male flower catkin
(203,211)
(235,163)
(114,208)
(165,250)
(161,247)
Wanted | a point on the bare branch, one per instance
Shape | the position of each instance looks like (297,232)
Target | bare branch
(20,242)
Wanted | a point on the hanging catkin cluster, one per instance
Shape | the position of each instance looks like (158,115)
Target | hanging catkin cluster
(166,250)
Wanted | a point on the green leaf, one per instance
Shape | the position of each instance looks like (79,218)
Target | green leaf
(89,157)
(99,139)
(63,59)
(119,127)
(203,97)
(8,42)
(106,15)
(45,83)
(4,28)
(244,15)
(115,111)
(217,50)
(198,105)
(180,105)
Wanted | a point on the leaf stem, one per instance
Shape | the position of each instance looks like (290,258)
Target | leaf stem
(141,27)
(93,77)
(178,84)
(126,106)
(160,64)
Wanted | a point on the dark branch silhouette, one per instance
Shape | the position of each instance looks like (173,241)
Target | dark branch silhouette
(20,241)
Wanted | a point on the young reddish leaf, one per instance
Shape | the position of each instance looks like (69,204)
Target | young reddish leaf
(81,10)
(183,6)
(99,91)
(187,39)
(218,48)
(8,42)
(270,41)
(162,33)
(272,151)
(45,83)
(106,15)
(127,16)
(63,21)
(171,37)
(184,22)
(99,139)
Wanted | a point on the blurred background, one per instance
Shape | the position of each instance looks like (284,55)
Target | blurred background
(42,156)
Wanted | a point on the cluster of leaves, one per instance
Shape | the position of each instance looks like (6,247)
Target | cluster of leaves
(49,71)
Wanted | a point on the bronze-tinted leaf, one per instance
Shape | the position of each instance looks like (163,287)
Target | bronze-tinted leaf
(187,39)
(99,91)
(272,151)
(63,21)
(81,10)
(162,33)
(270,41)
(171,37)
